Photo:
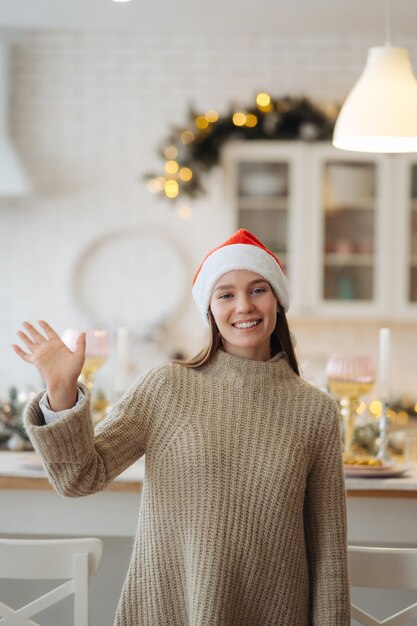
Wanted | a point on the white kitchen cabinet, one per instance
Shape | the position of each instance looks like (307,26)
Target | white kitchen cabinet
(404,220)
(264,193)
(343,224)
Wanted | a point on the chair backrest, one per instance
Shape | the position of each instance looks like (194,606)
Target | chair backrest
(383,568)
(73,559)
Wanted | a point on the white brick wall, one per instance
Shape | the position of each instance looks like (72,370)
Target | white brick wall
(88,110)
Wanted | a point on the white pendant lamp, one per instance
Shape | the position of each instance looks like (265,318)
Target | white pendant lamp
(380,113)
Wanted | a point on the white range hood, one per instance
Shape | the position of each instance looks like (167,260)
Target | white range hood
(13,179)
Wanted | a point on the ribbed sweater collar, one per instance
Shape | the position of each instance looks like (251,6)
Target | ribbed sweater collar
(235,369)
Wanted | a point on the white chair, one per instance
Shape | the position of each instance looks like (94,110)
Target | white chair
(383,568)
(34,559)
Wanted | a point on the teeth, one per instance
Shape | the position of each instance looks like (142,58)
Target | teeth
(246,324)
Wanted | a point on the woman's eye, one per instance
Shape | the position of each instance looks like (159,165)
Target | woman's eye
(225,296)
(259,290)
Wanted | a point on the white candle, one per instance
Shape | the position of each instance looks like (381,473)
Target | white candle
(384,362)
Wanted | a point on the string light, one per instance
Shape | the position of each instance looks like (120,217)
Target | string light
(187,136)
(171,188)
(239,119)
(202,122)
(155,185)
(263,102)
(185,174)
(199,142)
(171,152)
(375,408)
(185,212)
(171,167)
(251,120)
(212,116)
(263,99)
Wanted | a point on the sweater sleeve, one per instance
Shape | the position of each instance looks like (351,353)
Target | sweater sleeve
(80,461)
(326,528)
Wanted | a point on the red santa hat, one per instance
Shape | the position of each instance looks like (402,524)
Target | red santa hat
(242,251)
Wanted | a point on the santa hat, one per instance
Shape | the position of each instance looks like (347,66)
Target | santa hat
(242,251)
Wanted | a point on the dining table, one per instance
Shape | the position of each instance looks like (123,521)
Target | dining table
(380,509)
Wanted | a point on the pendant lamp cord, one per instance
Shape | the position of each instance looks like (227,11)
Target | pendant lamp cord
(387,22)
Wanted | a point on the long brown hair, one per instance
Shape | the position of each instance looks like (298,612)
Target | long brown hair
(280,342)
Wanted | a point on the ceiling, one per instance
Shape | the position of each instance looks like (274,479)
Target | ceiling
(340,18)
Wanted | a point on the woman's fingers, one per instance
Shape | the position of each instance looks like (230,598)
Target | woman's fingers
(23,355)
(35,334)
(49,331)
(26,340)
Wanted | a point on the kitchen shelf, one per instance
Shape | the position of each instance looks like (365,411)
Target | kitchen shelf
(349,260)
(259,203)
(357,204)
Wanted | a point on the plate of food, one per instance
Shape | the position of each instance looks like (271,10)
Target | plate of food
(371,467)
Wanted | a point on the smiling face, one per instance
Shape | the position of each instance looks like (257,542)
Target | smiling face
(245,310)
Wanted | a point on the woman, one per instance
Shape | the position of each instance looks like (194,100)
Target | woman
(243,520)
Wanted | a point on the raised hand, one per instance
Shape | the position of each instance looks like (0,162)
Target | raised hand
(57,364)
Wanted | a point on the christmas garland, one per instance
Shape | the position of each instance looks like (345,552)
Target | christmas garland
(191,151)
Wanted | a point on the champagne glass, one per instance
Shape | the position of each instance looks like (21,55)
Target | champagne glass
(96,352)
(348,378)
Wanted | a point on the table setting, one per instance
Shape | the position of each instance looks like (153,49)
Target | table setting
(382,454)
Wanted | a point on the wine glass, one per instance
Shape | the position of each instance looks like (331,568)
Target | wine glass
(348,378)
(96,352)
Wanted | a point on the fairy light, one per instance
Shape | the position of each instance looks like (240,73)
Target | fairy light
(171,188)
(185,174)
(171,152)
(263,99)
(239,118)
(263,102)
(185,212)
(155,185)
(375,407)
(171,167)
(251,120)
(178,148)
(212,116)
(202,122)
(187,136)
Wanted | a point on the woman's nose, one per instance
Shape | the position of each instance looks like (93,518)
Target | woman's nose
(243,303)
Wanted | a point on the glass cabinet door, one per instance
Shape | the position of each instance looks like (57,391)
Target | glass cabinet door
(349,223)
(412,242)
(263,189)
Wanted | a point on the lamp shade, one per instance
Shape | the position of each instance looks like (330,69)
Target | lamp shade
(380,113)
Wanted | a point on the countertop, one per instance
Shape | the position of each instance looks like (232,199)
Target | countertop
(24,470)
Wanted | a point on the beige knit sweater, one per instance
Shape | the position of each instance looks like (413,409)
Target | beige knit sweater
(242,521)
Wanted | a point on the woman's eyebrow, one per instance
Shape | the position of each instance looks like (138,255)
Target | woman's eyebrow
(251,282)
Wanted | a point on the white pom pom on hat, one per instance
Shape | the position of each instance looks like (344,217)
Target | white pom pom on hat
(242,251)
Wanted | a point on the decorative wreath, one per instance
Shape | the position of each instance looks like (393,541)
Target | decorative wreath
(191,151)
